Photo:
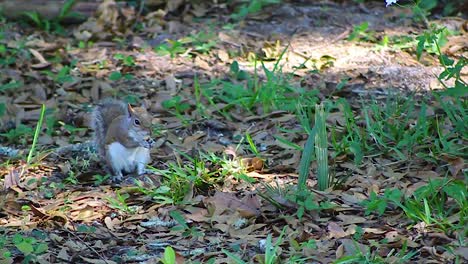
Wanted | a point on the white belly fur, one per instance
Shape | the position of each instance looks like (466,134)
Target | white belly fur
(128,159)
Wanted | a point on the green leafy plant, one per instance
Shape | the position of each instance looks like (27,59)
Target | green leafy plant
(435,202)
(353,139)
(183,226)
(18,134)
(271,251)
(201,42)
(276,92)
(54,24)
(252,145)
(11,85)
(120,202)
(62,76)
(361,33)
(85,44)
(432,204)
(125,60)
(117,75)
(177,106)
(172,48)
(30,247)
(364,254)
(201,172)
(169,256)
(100,179)
(251,7)
(5,253)
(431,41)
(81,228)
(380,203)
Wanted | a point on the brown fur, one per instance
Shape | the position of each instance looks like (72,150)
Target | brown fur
(115,121)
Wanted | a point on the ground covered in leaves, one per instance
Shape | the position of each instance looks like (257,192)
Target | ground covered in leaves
(233,100)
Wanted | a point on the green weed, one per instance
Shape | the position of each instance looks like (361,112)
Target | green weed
(201,42)
(52,25)
(202,173)
(276,92)
(361,33)
(120,203)
(365,255)
(303,200)
(100,179)
(18,134)
(177,106)
(172,48)
(128,61)
(352,138)
(117,75)
(36,135)
(251,7)
(188,231)
(432,204)
(169,256)
(30,246)
(271,251)
(62,76)
(11,85)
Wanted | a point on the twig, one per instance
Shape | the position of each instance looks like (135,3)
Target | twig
(88,246)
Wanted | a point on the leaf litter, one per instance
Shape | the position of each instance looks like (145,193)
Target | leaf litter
(97,223)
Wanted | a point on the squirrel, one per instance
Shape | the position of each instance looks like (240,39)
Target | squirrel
(122,135)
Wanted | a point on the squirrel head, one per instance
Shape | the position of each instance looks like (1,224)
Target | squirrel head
(140,126)
(140,119)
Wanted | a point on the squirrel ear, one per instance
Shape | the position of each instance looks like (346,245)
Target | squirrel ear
(130,109)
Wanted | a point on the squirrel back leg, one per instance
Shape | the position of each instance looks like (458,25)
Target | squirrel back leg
(117,160)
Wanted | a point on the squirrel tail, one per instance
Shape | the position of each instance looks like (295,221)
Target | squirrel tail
(103,114)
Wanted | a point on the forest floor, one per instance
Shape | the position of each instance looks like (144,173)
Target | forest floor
(233,100)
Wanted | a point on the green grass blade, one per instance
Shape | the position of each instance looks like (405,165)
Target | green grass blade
(253,148)
(306,158)
(65,10)
(321,147)
(36,134)
(234,257)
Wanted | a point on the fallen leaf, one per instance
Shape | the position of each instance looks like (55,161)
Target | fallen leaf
(335,231)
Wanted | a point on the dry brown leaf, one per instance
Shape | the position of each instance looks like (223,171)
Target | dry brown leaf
(222,201)
(43,63)
(97,261)
(456,164)
(351,219)
(63,254)
(462,252)
(223,55)
(12,179)
(335,231)
(353,248)
(245,233)
(197,214)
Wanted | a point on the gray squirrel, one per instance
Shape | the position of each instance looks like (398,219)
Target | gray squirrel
(122,135)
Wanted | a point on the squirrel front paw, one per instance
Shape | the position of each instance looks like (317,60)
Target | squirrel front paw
(148,143)
(117,178)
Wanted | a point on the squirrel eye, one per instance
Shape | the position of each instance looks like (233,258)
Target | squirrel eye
(137,122)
